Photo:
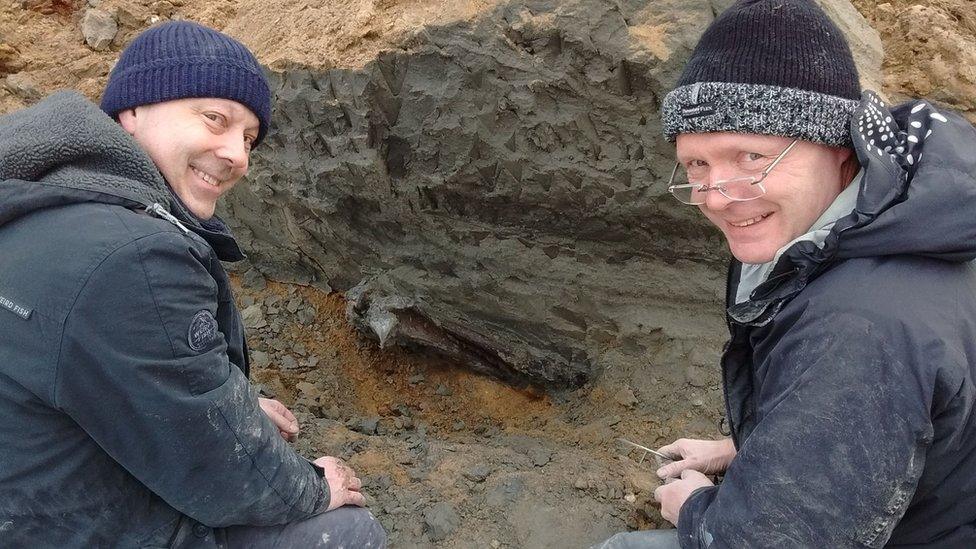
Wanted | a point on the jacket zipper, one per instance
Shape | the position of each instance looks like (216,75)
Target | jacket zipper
(725,354)
(161,212)
(725,391)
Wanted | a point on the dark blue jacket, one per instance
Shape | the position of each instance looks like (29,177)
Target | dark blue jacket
(849,376)
(127,417)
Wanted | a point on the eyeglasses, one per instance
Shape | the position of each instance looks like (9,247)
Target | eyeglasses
(739,189)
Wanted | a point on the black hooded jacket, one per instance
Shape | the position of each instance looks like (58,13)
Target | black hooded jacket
(849,376)
(127,417)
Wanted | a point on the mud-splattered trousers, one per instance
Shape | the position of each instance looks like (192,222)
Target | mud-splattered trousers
(850,375)
(128,418)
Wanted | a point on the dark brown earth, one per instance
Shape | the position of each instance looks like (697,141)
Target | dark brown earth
(431,439)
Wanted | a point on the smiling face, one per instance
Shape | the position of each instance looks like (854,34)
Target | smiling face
(798,189)
(200,145)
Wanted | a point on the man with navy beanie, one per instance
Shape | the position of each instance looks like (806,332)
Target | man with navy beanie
(183,59)
(128,417)
(849,374)
(179,64)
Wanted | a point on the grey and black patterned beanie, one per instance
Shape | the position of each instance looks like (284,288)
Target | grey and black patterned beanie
(772,67)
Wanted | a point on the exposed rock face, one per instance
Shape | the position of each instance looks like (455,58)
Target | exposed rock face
(865,41)
(495,189)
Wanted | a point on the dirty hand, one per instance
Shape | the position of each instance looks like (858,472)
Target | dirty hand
(704,456)
(344,485)
(281,416)
(672,495)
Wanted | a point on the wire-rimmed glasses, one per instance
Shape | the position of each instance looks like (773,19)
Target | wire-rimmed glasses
(739,189)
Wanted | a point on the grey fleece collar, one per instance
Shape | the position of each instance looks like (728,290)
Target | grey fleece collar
(67,141)
(757,108)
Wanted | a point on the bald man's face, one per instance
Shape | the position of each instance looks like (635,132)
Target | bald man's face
(200,145)
(798,190)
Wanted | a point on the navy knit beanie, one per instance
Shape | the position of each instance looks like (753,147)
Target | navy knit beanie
(180,59)
(772,67)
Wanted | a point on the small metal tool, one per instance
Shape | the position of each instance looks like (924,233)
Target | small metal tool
(646,451)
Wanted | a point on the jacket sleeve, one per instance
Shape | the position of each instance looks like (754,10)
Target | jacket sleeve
(176,415)
(838,449)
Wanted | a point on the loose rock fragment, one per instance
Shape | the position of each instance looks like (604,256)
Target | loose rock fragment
(10,60)
(366,425)
(403,423)
(99,29)
(540,456)
(307,315)
(254,280)
(478,473)
(86,67)
(23,86)
(625,397)
(253,317)
(442,520)
(259,359)
(132,15)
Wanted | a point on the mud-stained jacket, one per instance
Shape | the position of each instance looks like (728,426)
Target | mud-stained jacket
(127,417)
(849,375)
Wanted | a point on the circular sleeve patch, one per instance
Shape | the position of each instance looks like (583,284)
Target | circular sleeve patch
(203,330)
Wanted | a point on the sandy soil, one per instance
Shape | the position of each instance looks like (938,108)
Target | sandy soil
(930,46)
(930,49)
(41,40)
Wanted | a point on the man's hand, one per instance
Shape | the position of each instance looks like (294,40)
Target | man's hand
(704,456)
(344,485)
(281,416)
(672,495)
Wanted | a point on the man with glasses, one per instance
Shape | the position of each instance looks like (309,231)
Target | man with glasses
(851,299)
(747,186)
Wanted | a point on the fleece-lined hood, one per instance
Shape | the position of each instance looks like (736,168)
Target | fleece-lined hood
(916,197)
(65,150)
